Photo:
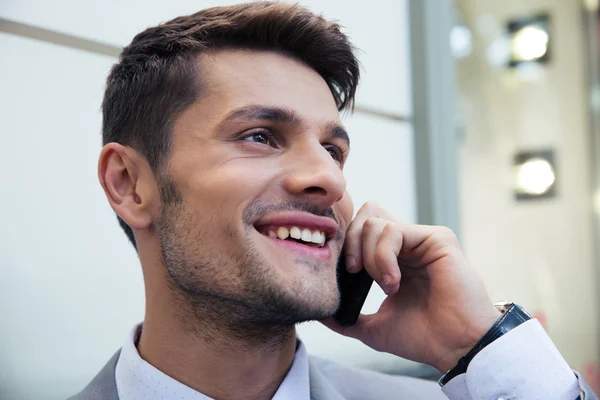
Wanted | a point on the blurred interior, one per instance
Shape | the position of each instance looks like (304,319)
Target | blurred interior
(527,76)
(483,115)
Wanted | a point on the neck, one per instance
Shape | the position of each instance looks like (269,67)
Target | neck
(198,349)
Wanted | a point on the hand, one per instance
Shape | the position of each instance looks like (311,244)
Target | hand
(437,308)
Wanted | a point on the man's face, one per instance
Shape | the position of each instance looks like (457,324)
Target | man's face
(260,154)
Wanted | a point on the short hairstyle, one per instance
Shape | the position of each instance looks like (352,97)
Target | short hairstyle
(156,77)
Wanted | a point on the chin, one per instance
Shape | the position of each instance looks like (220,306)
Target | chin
(283,288)
(316,300)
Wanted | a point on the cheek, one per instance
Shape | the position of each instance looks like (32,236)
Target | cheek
(233,182)
(221,195)
(345,210)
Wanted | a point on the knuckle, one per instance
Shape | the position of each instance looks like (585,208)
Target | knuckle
(370,206)
(370,223)
(446,233)
(389,228)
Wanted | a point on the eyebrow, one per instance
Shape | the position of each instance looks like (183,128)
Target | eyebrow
(280,115)
(338,131)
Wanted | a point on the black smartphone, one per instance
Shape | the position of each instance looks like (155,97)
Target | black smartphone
(354,289)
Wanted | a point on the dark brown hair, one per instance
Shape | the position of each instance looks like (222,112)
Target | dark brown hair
(156,77)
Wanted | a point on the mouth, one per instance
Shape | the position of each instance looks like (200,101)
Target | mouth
(300,232)
(309,237)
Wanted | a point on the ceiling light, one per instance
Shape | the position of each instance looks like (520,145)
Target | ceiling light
(535,175)
(530,43)
(530,40)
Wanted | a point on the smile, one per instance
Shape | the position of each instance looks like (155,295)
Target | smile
(300,232)
(313,238)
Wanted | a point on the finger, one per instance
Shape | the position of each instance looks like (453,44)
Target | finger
(385,274)
(386,254)
(421,244)
(352,244)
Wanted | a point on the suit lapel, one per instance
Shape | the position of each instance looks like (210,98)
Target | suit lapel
(103,386)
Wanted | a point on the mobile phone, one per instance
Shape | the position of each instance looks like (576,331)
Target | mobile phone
(354,289)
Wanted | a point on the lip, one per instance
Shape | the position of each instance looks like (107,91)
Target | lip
(301,220)
(319,253)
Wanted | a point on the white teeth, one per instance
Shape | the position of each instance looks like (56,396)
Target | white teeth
(283,232)
(316,237)
(306,235)
(295,232)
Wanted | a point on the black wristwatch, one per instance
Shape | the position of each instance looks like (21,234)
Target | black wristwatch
(512,316)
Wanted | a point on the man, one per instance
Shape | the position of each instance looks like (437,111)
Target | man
(224,159)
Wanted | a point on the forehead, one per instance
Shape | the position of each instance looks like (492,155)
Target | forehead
(236,78)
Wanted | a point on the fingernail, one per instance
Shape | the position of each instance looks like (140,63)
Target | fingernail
(350,263)
(385,283)
(387,279)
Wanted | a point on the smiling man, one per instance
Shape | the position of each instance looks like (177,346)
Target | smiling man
(223,158)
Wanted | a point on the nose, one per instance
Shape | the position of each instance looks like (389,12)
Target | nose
(313,175)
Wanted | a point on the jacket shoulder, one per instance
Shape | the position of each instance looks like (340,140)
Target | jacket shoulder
(355,384)
(103,386)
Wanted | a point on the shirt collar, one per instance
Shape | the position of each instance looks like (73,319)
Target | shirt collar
(137,379)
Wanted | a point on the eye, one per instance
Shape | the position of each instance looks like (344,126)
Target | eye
(336,153)
(262,137)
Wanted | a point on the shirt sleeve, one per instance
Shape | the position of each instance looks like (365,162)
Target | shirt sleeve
(522,364)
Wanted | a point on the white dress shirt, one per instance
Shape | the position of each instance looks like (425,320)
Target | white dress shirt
(522,364)
(138,380)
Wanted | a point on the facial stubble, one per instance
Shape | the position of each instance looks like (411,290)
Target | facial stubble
(257,308)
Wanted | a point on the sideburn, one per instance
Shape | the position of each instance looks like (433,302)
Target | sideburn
(169,194)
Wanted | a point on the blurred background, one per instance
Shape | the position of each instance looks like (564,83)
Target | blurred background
(476,114)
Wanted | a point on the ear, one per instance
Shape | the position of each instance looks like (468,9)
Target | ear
(128,183)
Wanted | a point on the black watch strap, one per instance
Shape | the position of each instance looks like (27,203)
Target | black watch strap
(512,317)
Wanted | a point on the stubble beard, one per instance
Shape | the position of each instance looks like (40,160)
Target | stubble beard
(256,312)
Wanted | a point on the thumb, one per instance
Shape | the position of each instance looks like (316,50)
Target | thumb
(361,330)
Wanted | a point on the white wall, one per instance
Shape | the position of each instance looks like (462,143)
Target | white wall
(71,286)
(382,36)
(539,254)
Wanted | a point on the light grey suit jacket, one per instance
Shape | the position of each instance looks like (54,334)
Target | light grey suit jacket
(328,381)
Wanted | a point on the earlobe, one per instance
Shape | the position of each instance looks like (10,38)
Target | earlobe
(119,172)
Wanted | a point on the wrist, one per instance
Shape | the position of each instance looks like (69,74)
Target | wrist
(470,338)
(512,316)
